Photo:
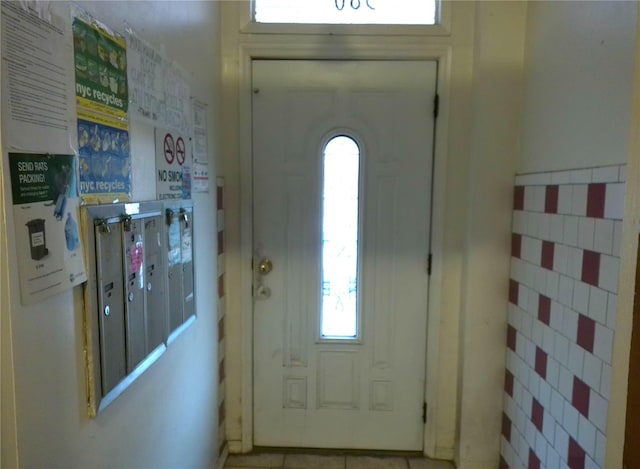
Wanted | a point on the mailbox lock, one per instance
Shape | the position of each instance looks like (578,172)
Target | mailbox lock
(130,296)
(265,266)
(107,310)
(149,286)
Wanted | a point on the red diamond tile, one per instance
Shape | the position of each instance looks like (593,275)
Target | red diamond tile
(591,267)
(576,455)
(541,362)
(518,198)
(511,337)
(220,242)
(595,200)
(534,462)
(537,413)
(516,245)
(221,413)
(508,382)
(503,464)
(551,199)
(220,197)
(586,332)
(580,396)
(513,292)
(506,427)
(546,259)
(221,329)
(221,371)
(221,286)
(544,309)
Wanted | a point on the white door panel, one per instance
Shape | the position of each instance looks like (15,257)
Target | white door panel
(365,392)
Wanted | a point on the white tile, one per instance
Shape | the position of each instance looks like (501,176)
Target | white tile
(557,405)
(553,281)
(523,448)
(519,180)
(586,435)
(535,179)
(527,324)
(609,272)
(543,221)
(561,177)
(592,374)
(598,407)
(612,308)
(534,197)
(580,298)
(536,333)
(603,343)
(549,340)
(579,176)
(570,237)
(590,463)
(520,222)
(598,299)
(574,264)
(614,201)
(566,383)
(603,238)
(586,233)
(565,290)
(556,228)
(560,258)
(605,383)
(556,319)
(606,174)
(553,374)
(534,384)
(576,359)
(601,447)
(561,440)
(531,354)
(617,238)
(579,200)
(532,304)
(544,394)
(530,433)
(540,283)
(562,349)
(622,177)
(565,199)
(570,420)
(553,458)
(541,447)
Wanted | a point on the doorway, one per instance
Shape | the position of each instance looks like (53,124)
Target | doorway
(361,383)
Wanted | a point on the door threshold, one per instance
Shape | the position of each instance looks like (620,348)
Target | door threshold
(337,451)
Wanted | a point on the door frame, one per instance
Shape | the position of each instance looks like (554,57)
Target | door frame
(373,51)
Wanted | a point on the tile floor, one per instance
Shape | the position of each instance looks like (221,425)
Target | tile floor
(315,461)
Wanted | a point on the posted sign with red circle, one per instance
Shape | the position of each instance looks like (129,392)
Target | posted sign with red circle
(173,165)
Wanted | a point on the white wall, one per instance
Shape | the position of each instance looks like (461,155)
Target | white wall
(168,417)
(494,138)
(579,77)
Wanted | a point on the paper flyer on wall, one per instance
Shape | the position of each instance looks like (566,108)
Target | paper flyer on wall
(100,58)
(38,112)
(146,81)
(105,160)
(200,172)
(45,201)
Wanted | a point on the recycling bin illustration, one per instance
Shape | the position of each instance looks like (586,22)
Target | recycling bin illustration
(37,239)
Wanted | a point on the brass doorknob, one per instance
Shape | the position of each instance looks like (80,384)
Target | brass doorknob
(265,266)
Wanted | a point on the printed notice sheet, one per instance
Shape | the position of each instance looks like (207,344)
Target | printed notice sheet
(37,81)
(45,208)
(200,176)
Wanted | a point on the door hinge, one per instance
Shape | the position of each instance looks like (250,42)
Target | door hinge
(436,105)
(429,263)
(424,412)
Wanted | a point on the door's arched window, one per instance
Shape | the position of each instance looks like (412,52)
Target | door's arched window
(340,184)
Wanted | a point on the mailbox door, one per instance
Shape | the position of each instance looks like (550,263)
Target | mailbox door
(154,275)
(111,305)
(187,265)
(174,264)
(133,242)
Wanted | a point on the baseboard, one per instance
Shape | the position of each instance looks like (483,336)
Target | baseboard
(222,460)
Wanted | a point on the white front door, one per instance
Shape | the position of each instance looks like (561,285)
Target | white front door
(357,382)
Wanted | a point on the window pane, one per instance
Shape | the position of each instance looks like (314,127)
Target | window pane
(341,161)
(346,11)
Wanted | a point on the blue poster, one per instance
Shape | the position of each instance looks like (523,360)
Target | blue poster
(105,161)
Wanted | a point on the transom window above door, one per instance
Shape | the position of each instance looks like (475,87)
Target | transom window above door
(396,12)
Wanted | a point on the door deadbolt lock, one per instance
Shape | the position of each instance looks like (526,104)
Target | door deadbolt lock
(265,266)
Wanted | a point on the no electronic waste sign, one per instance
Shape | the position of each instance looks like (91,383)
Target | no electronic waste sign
(172,165)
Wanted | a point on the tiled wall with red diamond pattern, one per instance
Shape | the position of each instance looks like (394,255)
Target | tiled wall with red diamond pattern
(222,438)
(565,250)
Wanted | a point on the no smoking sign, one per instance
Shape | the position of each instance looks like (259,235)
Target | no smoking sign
(172,165)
